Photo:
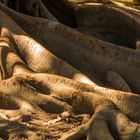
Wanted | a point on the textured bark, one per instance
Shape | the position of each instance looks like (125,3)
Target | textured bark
(58,83)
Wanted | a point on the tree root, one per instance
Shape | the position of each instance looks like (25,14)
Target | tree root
(106,116)
(117,82)
(90,52)
(99,127)
(46,105)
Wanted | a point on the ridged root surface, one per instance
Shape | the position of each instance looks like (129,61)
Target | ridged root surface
(52,77)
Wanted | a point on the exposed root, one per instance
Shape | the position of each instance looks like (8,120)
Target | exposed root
(117,82)
(30,7)
(45,105)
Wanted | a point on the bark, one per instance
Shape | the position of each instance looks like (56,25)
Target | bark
(55,82)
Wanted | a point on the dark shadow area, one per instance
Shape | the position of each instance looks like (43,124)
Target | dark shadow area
(62,10)
(13,130)
(51,108)
(8,103)
(4,134)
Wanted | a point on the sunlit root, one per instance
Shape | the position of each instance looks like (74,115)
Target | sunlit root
(41,60)
(82,102)
(14,107)
(106,118)
(22,102)
(10,63)
(105,125)
(91,56)
(46,93)
(36,95)
(54,85)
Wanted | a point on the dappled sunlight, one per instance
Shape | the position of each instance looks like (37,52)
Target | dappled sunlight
(91,4)
(3,117)
(86,80)
(58,82)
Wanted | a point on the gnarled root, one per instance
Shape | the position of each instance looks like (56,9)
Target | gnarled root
(106,116)
(107,122)
(49,104)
